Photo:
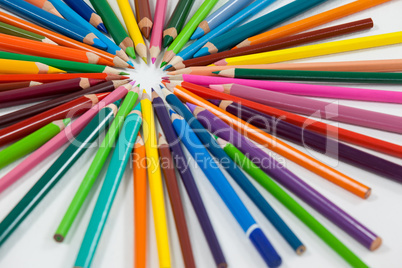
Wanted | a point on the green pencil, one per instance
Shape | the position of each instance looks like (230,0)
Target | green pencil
(31,142)
(315,76)
(114,26)
(188,30)
(265,181)
(96,166)
(15,31)
(176,21)
(68,66)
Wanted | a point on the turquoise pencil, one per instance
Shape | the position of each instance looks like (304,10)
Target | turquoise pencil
(114,174)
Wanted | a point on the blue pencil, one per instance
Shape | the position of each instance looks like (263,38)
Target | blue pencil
(85,11)
(226,11)
(225,191)
(109,188)
(38,15)
(70,15)
(189,52)
(263,23)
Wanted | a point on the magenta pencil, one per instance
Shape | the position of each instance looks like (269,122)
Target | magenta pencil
(60,139)
(316,108)
(309,90)
(156,38)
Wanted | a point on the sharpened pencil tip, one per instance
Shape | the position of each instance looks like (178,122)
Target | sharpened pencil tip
(199,32)
(131,63)
(145,60)
(167,40)
(165,78)
(101,27)
(216,72)
(163,64)
(153,60)
(202,52)
(167,67)
(131,52)
(99,44)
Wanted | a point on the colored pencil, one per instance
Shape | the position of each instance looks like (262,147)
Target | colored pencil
(133,29)
(70,15)
(61,39)
(209,142)
(155,181)
(322,144)
(175,201)
(87,13)
(29,125)
(314,76)
(45,5)
(323,91)
(341,66)
(320,109)
(176,21)
(159,22)
(140,203)
(21,114)
(24,46)
(144,17)
(96,166)
(71,130)
(16,85)
(26,67)
(225,191)
(31,142)
(281,43)
(280,173)
(66,65)
(53,22)
(315,50)
(291,204)
(221,15)
(311,22)
(15,31)
(109,188)
(46,90)
(267,21)
(316,126)
(250,10)
(187,31)
(114,26)
(188,180)
(279,147)
(47,78)
(56,171)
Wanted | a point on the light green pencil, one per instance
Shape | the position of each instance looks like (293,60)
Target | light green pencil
(97,164)
(31,142)
(265,181)
(188,31)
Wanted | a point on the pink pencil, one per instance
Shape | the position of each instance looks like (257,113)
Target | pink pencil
(156,38)
(60,139)
(315,108)
(299,89)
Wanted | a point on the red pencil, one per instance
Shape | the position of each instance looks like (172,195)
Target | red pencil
(316,126)
(47,78)
(69,109)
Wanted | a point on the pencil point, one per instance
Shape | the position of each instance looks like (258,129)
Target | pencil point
(191,106)
(132,82)
(199,32)
(161,86)
(145,60)
(202,52)
(131,63)
(99,44)
(131,52)
(153,60)
(163,64)
(101,27)
(146,31)
(165,78)
(167,40)
(216,72)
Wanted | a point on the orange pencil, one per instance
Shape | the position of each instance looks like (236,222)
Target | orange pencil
(311,22)
(45,5)
(140,203)
(277,146)
(30,47)
(61,39)
(47,78)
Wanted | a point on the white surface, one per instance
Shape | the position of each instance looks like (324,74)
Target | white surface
(32,244)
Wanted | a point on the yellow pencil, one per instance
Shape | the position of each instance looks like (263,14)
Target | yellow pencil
(132,28)
(314,50)
(26,67)
(155,180)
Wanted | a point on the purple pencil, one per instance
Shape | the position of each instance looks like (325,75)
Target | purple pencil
(273,168)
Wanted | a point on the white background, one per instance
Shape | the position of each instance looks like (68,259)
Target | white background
(32,244)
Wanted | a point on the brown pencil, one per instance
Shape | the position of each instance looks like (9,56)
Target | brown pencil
(286,42)
(169,173)
(144,17)
(16,85)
